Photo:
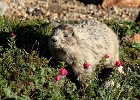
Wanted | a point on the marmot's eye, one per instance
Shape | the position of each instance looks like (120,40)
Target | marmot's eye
(66,35)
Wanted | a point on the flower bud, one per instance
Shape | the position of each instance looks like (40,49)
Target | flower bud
(29,83)
(63,72)
(86,65)
(12,34)
(57,78)
(31,73)
(118,64)
(106,56)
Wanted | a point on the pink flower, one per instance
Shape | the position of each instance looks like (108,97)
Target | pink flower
(106,56)
(63,72)
(29,83)
(57,78)
(12,34)
(118,63)
(31,61)
(86,65)
(31,73)
(40,64)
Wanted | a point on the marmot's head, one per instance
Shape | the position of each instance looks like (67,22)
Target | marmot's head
(62,37)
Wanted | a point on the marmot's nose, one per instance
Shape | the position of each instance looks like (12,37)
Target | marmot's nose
(53,39)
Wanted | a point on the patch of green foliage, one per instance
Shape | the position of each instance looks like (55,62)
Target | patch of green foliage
(123,28)
(27,74)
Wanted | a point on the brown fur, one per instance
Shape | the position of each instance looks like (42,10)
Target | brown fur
(88,42)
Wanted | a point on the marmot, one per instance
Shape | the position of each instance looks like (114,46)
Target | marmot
(86,42)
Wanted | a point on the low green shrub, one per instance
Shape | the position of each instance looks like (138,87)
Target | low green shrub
(27,74)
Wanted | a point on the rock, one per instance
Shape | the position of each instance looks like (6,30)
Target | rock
(18,1)
(123,15)
(132,38)
(43,10)
(64,6)
(83,11)
(17,13)
(54,16)
(121,3)
(129,3)
(82,16)
(26,15)
(136,38)
(47,13)
(3,8)
(23,12)
(116,10)
(96,14)
(30,9)
(91,7)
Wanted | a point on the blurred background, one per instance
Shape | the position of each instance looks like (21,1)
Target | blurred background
(71,10)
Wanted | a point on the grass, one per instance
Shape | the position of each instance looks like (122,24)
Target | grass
(27,74)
